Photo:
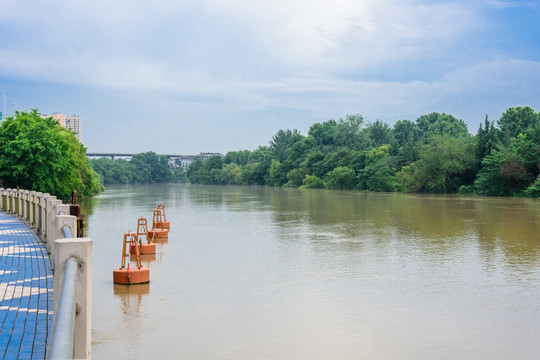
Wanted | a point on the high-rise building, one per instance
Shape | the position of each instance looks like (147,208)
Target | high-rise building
(72,122)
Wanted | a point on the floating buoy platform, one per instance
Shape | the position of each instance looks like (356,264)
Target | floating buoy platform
(158,233)
(163,224)
(142,231)
(126,275)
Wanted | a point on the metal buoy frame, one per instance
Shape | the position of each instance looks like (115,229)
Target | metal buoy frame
(157,232)
(163,224)
(145,248)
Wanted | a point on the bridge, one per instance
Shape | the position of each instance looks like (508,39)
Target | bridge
(175,160)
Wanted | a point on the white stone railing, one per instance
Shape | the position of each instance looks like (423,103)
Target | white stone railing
(48,217)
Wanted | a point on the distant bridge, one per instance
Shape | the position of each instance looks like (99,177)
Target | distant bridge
(175,160)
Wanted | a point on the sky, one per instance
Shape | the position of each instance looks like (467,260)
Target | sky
(184,77)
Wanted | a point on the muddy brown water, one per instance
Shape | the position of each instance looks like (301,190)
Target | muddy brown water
(268,273)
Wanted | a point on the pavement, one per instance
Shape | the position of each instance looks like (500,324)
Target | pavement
(26,291)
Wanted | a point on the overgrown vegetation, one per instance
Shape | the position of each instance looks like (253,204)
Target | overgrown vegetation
(434,154)
(143,168)
(40,155)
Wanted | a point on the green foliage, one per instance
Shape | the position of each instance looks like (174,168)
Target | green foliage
(487,139)
(379,134)
(510,170)
(435,154)
(442,166)
(231,174)
(379,172)
(277,176)
(143,168)
(312,182)
(533,191)
(341,177)
(295,177)
(39,154)
(439,124)
(518,120)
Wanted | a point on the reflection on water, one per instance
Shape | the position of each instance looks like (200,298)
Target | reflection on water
(268,273)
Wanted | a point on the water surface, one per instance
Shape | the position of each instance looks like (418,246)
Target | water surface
(268,273)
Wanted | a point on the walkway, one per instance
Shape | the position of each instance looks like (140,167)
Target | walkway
(26,291)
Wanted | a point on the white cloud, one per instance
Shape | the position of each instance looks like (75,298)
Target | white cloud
(385,59)
(112,43)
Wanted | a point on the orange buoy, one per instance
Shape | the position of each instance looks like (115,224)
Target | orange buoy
(142,231)
(163,224)
(157,233)
(136,275)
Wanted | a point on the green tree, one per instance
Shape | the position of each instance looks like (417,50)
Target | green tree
(276,174)
(444,164)
(312,182)
(379,172)
(349,133)
(281,142)
(295,177)
(487,139)
(150,167)
(323,134)
(439,124)
(379,133)
(193,171)
(38,154)
(341,178)
(231,174)
(407,134)
(510,170)
(517,120)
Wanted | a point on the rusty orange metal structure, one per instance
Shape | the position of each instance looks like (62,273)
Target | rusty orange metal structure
(163,224)
(142,231)
(126,276)
(157,233)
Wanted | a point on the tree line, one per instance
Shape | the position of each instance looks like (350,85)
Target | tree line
(434,154)
(143,168)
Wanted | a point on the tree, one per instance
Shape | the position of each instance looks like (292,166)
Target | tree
(295,177)
(349,132)
(510,170)
(407,134)
(150,167)
(379,133)
(231,174)
(341,178)
(518,120)
(438,124)
(280,144)
(323,133)
(379,172)
(312,182)
(444,164)
(487,139)
(38,154)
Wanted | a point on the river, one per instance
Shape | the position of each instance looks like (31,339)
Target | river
(273,273)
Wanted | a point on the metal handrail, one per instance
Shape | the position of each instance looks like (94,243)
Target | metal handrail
(62,345)
(67,232)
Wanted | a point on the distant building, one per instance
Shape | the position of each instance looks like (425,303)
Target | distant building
(185,161)
(72,122)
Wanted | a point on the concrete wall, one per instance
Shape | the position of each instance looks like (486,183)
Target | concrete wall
(48,216)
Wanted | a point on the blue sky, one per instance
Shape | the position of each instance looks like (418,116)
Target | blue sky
(195,76)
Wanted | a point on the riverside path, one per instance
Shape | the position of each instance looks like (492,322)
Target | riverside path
(26,291)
